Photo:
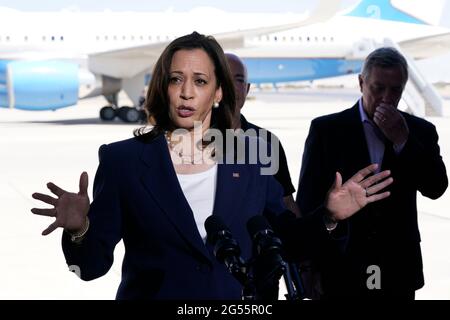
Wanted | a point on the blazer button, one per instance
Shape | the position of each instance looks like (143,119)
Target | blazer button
(203,268)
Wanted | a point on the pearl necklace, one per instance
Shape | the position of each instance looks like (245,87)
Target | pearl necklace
(178,150)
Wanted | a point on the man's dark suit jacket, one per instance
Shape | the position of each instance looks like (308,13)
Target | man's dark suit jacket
(384,233)
(137,198)
(282,176)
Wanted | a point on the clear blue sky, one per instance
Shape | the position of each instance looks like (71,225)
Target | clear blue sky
(297,6)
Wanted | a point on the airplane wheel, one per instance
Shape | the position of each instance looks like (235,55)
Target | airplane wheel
(107,113)
(128,114)
(121,113)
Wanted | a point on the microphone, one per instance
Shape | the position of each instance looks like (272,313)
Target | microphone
(269,266)
(226,249)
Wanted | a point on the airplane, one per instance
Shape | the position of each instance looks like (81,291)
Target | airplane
(51,60)
(339,45)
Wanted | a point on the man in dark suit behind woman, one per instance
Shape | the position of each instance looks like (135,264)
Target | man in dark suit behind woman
(155,191)
(382,255)
(242,86)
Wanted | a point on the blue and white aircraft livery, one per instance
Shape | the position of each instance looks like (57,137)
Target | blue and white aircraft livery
(51,60)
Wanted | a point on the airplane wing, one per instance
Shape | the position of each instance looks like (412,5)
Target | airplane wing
(427,47)
(126,63)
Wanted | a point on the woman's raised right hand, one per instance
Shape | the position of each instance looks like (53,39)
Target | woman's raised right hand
(70,209)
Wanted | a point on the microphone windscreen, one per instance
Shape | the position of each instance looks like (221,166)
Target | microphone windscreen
(256,224)
(213,225)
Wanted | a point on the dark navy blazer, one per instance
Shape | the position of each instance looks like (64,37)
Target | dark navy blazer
(137,198)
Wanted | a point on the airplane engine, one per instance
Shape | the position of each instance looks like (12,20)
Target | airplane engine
(38,85)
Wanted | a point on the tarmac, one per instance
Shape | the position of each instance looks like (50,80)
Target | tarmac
(38,147)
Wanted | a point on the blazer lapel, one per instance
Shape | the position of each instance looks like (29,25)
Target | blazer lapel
(159,178)
(358,148)
(232,184)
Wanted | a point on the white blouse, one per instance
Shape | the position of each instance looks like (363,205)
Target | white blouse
(200,191)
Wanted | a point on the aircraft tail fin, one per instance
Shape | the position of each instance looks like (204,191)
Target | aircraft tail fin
(383,10)
(445,17)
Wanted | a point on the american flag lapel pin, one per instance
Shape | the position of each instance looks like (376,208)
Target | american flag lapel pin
(235,174)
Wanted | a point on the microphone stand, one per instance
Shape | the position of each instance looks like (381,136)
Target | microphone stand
(267,289)
(241,273)
(298,283)
(249,289)
(293,283)
(267,274)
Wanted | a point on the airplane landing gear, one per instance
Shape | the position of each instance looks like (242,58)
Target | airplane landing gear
(126,114)
(107,113)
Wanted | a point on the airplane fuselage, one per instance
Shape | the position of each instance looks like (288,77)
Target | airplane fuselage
(61,44)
